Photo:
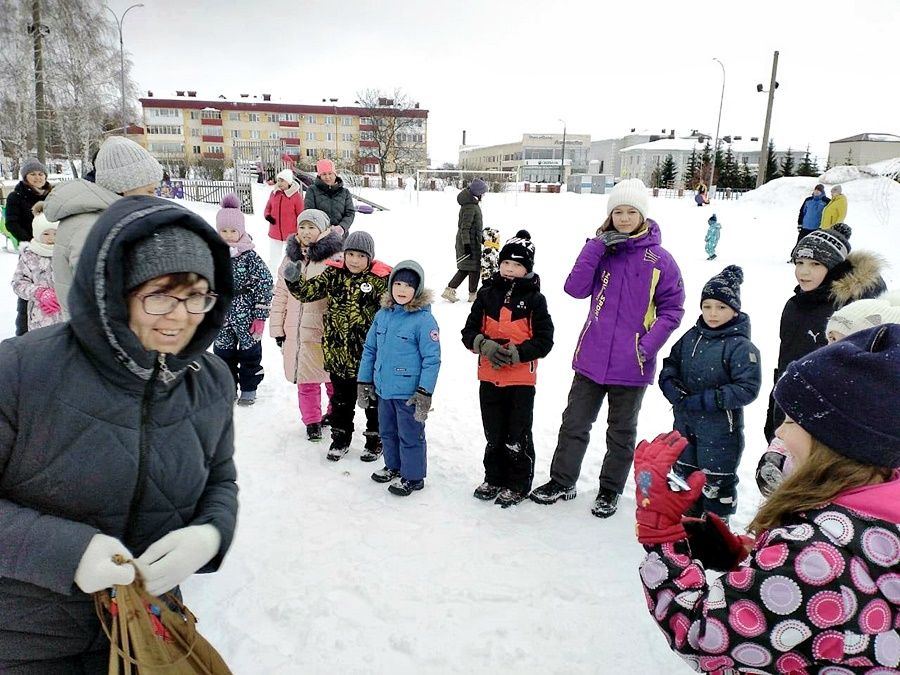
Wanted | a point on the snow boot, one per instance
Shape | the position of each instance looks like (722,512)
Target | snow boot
(314,432)
(508,498)
(247,398)
(551,492)
(472,297)
(373,447)
(404,488)
(449,295)
(712,257)
(385,475)
(326,420)
(606,503)
(486,491)
(340,444)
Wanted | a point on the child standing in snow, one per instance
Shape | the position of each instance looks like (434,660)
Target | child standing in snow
(490,253)
(33,278)
(818,592)
(284,205)
(297,326)
(637,301)
(400,363)
(712,237)
(828,276)
(710,374)
(353,289)
(509,328)
(239,343)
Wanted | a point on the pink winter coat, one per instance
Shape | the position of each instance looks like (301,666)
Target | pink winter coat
(300,323)
(33,272)
(283,208)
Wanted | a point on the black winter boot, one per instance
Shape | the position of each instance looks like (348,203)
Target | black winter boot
(606,503)
(373,447)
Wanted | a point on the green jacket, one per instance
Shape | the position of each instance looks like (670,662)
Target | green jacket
(353,300)
(468,232)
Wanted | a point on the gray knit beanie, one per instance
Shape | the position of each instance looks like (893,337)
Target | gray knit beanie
(124,165)
(30,165)
(169,250)
(362,242)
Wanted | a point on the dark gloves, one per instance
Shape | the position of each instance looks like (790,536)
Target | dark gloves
(714,545)
(489,349)
(612,237)
(422,400)
(279,341)
(673,390)
(659,507)
(291,271)
(270,219)
(706,401)
(511,353)
(365,394)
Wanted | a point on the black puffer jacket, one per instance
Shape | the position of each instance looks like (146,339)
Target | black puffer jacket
(468,232)
(94,439)
(335,200)
(18,209)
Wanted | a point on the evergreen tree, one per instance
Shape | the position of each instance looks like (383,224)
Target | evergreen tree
(705,164)
(747,179)
(807,166)
(668,172)
(690,170)
(849,160)
(787,164)
(771,164)
(729,177)
(720,165)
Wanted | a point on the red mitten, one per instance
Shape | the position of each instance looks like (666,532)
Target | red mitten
(47,300)
(257,328)
(659,508)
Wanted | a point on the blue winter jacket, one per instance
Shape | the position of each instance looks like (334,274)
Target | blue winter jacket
(402,350)
(811,212)
(712,371)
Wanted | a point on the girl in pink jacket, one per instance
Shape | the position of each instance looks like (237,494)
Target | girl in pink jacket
(284,205)
(33,278)
(297,326)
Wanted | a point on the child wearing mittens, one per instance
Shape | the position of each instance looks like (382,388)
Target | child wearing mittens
(400,363)
(239,343)
(33,278)
(710,374)
(818,591)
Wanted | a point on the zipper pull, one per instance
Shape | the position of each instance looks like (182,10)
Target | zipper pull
(166,375)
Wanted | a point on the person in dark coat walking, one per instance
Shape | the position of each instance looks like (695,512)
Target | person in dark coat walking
(469,238)
(328,194)
(116,436)
(32,189)
(710,374)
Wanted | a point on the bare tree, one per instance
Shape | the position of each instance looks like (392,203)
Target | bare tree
(17,116)
(393,131)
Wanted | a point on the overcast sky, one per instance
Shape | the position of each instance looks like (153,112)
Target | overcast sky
(500,68)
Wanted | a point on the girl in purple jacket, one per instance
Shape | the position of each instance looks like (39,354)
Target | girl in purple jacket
(637,300)
(819,588)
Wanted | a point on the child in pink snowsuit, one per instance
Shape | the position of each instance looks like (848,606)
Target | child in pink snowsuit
(33,278)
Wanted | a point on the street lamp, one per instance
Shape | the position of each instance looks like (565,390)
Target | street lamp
(334,114)
(712,171)
(764,152)
(119,23)
(562,161)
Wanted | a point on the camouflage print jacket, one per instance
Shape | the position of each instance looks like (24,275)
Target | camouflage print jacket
(353,300)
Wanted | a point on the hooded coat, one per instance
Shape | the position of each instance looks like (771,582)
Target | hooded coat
(637,301)
(300,323)
(76,205)
(468,232)
(283,207)
(99,435)
(835,212)
(252,283)
(18,209)
(335,200)
(810,217)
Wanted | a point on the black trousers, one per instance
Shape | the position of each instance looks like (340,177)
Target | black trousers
(343,408)
(245,365)
(461,275)
(21,317)
(585,399)
(507,414)
(89,663)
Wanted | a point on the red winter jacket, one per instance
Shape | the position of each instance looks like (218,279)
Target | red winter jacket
(284,207)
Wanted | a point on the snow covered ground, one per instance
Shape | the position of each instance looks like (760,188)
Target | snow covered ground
(331,574)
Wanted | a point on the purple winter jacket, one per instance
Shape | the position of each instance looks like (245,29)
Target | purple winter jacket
(637,300)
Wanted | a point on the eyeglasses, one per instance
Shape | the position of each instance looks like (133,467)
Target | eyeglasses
(159,303)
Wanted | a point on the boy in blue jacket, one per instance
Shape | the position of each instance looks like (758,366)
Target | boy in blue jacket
(400,363)
(712,372)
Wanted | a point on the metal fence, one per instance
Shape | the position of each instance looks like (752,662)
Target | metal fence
(212,192)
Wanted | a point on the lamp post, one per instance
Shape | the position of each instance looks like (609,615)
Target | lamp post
(562,159)
(764,153)
(334,114)
(119,23)
(712,171)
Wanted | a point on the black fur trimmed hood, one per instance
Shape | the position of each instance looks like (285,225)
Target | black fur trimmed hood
(320,250)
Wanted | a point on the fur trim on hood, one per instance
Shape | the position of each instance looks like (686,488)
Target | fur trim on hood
(861,278)
(320,250)
(421,301)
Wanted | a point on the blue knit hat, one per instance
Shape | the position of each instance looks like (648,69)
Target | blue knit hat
(725,287)
(478,187)
(845,395)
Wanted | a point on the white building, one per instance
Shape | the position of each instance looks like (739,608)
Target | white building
(863,149)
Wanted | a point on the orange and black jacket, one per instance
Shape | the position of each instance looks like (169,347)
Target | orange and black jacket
(511,312)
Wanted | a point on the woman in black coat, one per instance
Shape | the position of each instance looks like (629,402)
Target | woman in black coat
(116,436)
(469,238)
(328,194)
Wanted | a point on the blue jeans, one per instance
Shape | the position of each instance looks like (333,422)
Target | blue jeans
(402,437)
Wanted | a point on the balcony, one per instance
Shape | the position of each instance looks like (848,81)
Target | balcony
(212,139)
(291,141)
(212,121)
(288,123)
(368,144)
(213,155)
(367,127)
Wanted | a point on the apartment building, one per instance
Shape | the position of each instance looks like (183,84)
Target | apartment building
(187,128)
(538,158)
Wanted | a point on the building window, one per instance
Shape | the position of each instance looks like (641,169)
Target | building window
(214,148)
(273,135)
(235,133)
(168,148)
(254,135)
(211,115)
(289,117)
(347,121)
(310,119)
(365,120)
(370,169)
(195,132)
(164,112)
(346,137)
(253,117)
(329,119)
(292,134)
(234,117)
(329,136)
(196,149)
(346,154)
(212,131)
(164,129)
(366,136)
(195,114)
(311,152)
(310,135)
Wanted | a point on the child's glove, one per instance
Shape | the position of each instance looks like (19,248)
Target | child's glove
(47,300)
(270,219)
(659,508)
(489,349)
(509,355)
(257,328)
(714,544)
(291,271)
(611,238)
(279,342)
(365,393)
(674,390)
(422,400)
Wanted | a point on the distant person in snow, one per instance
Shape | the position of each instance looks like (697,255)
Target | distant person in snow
(836,210)
(33,278)
(328,194)
(701,197)
(469,238)
(810,218)
(284,205)
(712,237)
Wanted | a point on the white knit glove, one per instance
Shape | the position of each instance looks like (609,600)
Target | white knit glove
(175,557)
(97,571)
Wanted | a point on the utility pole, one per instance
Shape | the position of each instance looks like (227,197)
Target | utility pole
(712,171)
(764,152)
(562,161)
(38,31)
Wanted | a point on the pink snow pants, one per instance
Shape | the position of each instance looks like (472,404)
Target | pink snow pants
(310,396)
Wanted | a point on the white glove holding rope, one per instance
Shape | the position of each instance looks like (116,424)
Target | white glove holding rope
(171,560)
